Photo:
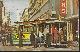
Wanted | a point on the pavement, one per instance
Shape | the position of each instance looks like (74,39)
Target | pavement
(30,48)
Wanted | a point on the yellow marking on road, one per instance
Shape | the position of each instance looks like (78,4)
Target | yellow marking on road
(23,48)
(28,47)
(17,46)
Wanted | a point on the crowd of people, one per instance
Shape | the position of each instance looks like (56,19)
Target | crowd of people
(5,38)
(47,38)
(50,37)
(37,40)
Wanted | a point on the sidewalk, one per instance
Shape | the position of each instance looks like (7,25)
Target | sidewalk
(29,48)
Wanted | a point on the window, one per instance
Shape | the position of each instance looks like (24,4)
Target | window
(53,5)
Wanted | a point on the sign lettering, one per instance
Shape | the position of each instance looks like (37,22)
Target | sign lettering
(63,8)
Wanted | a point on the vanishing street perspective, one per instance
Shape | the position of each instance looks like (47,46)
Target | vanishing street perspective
(39,25)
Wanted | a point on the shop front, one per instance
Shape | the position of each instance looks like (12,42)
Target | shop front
(72,29)
(62,31)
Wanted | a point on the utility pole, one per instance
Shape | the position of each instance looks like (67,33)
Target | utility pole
(20,33)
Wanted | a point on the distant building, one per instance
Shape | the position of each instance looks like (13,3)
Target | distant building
(18,15)
(1,5)
(25,15)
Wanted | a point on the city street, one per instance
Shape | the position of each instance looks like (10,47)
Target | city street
(53,25)
(29,48)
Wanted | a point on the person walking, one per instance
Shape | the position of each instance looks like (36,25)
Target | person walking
(52,32)
(43,38)
(32,39)
(10,38)
(61,36)
(3,40)
(7,37)
(48,39)
(56,35)
(40,40)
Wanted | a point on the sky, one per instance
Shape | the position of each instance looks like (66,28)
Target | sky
(15,7)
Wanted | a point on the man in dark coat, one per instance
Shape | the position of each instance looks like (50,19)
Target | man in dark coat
(3,40)
(48,39)
(32,39)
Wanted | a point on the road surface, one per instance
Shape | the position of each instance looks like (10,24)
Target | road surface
(29,48)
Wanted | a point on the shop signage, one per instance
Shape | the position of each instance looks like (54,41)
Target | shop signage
(63,8)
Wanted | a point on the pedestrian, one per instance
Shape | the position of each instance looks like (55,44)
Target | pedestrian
(3,40)
(61,35)
(38,41)
(39,38)
(52,32)
(7,37)
(48,39)
(36,45)
(65,33)
(10,38)
(56,35)
(43,38)
(32,39)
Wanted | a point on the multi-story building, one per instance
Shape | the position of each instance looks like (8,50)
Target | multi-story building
(24,19)
(6,19)
(1,5)
(65,11)
(40,10)
(25,15)
(72,19)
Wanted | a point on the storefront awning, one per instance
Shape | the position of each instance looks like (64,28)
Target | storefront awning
(54,21)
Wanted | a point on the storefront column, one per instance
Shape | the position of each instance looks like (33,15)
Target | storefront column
(67,30)
(59,27)
(37,28)
(78,29)
(71,34)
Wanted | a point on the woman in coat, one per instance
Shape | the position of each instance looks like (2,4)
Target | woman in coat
(56,35)
(32,39)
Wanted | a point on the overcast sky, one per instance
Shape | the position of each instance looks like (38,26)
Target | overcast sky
(12,6)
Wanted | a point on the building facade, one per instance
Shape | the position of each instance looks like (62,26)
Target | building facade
(25,15)
(65,11)
(39,9)
(6,19)
(72,19)
(1,5)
